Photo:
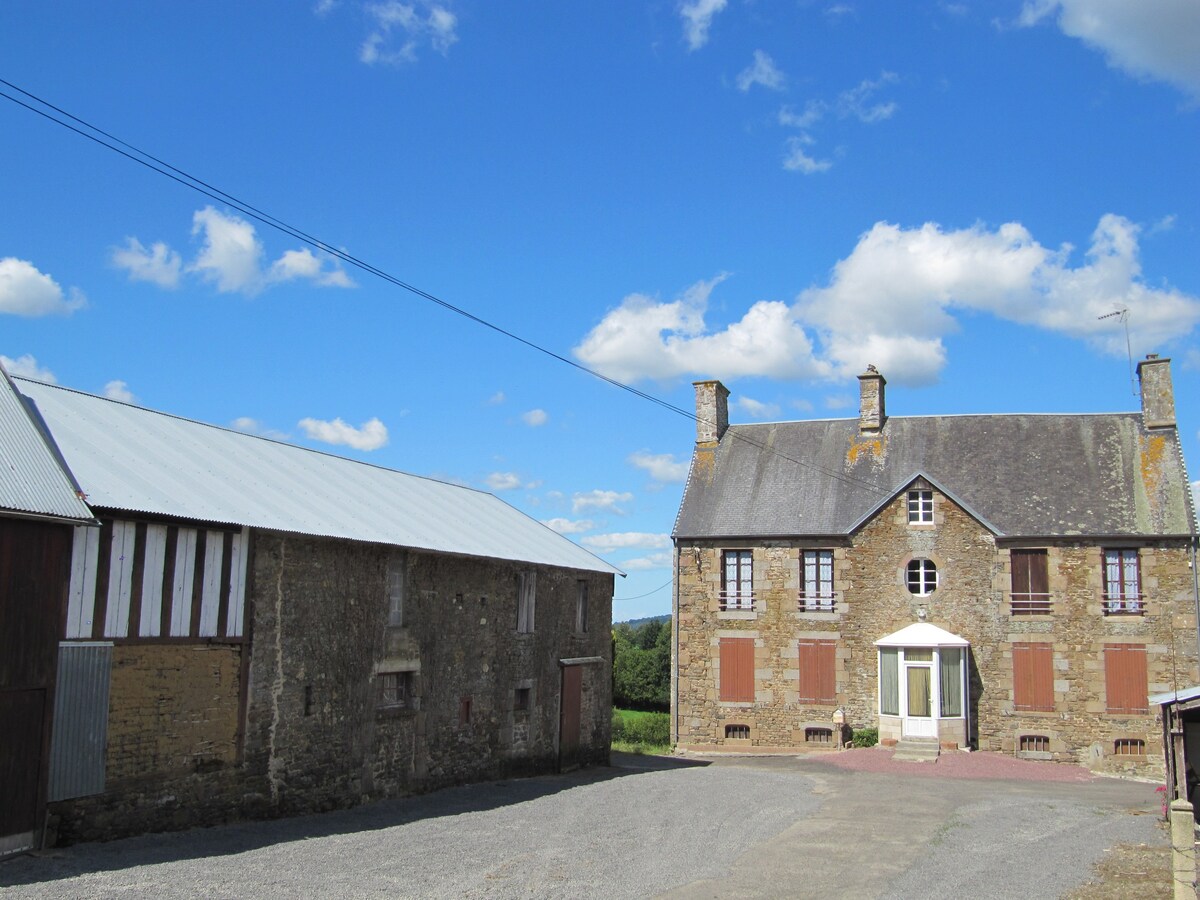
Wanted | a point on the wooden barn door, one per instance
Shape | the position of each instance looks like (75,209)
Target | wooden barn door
(34,569)
(569,715)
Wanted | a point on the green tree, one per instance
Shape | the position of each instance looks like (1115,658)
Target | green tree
(642,666)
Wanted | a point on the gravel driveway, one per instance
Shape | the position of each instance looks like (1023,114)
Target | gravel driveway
(749,827)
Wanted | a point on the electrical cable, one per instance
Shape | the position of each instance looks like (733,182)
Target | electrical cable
(647,594)
(141,157)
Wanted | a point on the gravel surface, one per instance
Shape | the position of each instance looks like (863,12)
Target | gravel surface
(732,827)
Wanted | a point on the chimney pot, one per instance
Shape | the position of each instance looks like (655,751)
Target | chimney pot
(712,411)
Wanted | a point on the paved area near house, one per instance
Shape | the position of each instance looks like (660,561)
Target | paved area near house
(852,824)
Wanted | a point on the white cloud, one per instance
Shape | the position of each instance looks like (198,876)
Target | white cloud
(627,540)
(400,28)
(697,18)
(371,435)
(24,291)
(119,390)
(535,418)
(891,302)
(321,7)
(503,481)
(496,399)
(1159,40)
(27,367)
(231,256)
(253,426)
(797,160)
(762,71)
(756,409)
(646,339)
(645,563)
(159,265)
(814,111)
(855,101)
(569,526)
(662,467)
(599,500)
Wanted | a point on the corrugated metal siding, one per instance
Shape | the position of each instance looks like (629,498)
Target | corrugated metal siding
(31,479)
(132,459)
(80,720)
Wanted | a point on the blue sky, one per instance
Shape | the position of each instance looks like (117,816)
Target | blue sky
(774,194)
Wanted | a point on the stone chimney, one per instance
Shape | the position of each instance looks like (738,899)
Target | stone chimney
(1158,397)
(871,413)
(712,411)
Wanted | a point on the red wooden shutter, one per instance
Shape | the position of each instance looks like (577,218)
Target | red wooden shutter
(737,669)
(817,683)
(1125,684)
(1033,677)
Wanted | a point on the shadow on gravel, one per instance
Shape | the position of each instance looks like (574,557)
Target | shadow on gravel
(241,837)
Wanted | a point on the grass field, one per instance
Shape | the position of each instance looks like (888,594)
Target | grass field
(635,731)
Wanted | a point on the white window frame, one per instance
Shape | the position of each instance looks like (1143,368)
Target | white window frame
(816,592)
(925,584)
(920,507)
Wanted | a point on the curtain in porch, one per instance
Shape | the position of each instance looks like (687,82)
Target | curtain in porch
(889,681)
(951,681)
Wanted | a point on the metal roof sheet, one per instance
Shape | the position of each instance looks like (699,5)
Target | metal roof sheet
(32,480)
(1025,475)
(136,460)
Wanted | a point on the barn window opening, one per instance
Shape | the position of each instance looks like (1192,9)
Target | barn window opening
(1034,743)
(1129,747)
(737,732)
(818,735)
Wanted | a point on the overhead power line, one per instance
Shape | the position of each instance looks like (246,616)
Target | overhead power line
(97,135)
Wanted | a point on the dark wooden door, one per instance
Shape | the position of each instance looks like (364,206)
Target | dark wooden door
(568,725)
(22,713)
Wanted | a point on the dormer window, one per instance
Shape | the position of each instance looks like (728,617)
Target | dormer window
(920,507)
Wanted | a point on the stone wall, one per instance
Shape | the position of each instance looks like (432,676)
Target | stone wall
(327,623)
(971,600)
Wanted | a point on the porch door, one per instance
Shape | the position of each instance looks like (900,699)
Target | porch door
(918,700)
(569,718)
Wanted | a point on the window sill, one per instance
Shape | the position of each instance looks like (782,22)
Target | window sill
(743,614)
(815,616)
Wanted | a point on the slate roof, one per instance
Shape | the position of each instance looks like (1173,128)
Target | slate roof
(32,481)
(135,460)
(1021,475)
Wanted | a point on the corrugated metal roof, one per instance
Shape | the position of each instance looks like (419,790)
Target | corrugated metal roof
(1035,475)
(137,460)
(31,478)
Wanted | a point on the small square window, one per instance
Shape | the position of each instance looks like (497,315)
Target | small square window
(920,507)
(395,690)
(818,735)
(922,577)
(737,732)
(1034,743)
(1129,747)
(521,699)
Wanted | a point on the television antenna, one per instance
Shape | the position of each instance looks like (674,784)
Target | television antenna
(1123,314)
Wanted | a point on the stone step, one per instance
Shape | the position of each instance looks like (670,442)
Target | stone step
(916,751)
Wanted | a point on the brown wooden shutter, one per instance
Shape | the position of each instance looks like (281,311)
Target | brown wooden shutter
(1020,572)
(1033,677)
(1030,573)
(817,671)
(737,669)
(1125,683)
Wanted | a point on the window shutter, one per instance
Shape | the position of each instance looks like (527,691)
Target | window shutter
(817,671)
(1033,677)
(1125,683)
(1020,572)
(737,669)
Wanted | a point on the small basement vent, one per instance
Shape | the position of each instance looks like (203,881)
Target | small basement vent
(737,732)
(818,735)
(1129,747)
(1034,743)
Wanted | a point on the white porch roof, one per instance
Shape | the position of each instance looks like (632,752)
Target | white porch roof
(922,634)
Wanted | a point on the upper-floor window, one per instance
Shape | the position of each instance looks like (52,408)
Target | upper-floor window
(526,599)
(922,577)
(816,580)
(395,590)
(395,690)
(1122,583)
(1030,583)
(581,606)
(920,507)
(737,579)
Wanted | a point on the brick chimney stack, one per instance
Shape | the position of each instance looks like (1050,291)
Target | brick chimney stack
(712,411)
(871,412)
(1158,396)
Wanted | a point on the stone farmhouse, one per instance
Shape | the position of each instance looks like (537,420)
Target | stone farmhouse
(235,627)
(1017,583)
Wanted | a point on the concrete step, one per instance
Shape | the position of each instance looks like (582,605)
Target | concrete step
(916,751)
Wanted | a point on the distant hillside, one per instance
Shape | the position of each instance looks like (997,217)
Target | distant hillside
(637,623)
